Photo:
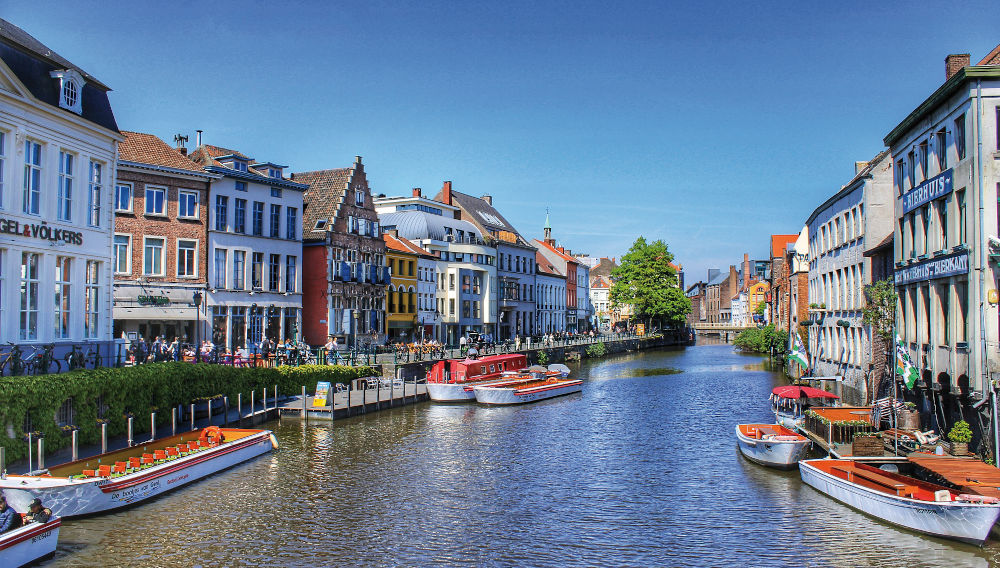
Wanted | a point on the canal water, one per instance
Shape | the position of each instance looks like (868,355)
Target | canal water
(641,469)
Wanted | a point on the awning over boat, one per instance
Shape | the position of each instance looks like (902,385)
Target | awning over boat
(796,391)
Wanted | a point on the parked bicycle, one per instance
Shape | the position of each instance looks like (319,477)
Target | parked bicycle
(11,363)
(75,359)
(42,363)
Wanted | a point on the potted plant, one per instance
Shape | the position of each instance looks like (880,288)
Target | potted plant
(908,418)
(960,436)
(866,444)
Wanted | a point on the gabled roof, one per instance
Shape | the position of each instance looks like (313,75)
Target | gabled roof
(780,242)
(545,267)
(400,244)
(719,279)
(32,62)
(148,149)
(992,58)
(600,282)
(482,214)
(326,192)
(604,267)
(542,244)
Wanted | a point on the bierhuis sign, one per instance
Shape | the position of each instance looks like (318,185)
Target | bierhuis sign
(40,231)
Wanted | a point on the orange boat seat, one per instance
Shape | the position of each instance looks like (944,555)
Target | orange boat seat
(160,454)
(104,470)
(172,451)
(183,448)
(147,459)
(121,467)
(134,463)
(88,473)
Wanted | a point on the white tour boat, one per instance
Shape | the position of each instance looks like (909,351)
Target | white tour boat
(902,500)
(29,543)
(537,384)
(790,402)
(125,477)
(771,444)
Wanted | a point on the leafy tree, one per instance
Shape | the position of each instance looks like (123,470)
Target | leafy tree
(759,309)
(646,281)
(880,314)
(762,340)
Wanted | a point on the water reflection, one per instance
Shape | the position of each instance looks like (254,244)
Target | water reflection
(637,471)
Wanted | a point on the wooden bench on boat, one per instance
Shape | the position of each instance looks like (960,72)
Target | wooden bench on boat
(901,489)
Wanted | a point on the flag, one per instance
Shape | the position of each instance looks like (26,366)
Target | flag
(798,352)
(904,366)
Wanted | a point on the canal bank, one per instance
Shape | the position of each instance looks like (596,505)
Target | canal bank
(640,469)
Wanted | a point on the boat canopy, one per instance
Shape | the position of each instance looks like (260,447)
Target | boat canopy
(796,391)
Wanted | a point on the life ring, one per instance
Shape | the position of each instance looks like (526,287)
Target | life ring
(213,435)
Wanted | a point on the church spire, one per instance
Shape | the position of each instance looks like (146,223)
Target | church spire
(548,227)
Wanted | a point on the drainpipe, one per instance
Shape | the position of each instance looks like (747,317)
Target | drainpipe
(980,243)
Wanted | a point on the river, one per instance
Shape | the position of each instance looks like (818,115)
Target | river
(641,469)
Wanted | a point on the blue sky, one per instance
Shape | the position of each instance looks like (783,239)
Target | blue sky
(708,125)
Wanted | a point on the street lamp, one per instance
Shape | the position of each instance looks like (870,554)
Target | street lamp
(197,328)
(356,315)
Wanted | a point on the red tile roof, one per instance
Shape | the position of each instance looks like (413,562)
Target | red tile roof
(600,282)
(558,252)
(546,267)
(148,149)
(325,193)
(401,244)
(780,242)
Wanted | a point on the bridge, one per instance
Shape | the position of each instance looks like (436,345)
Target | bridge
(727,331)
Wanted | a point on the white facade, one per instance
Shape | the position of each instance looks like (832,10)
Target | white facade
(57,175)
(550,303)
(600,300)
(839,232)
(427,314)
(739,311)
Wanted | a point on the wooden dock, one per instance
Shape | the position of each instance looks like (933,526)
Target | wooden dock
(968,474)
(382,395)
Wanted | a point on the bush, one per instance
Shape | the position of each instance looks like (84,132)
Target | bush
(596,349)
(543,357)
(960,432)
(138,390)
(761,340)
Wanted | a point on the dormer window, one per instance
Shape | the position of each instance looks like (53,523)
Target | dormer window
(239,166)
(70,89)
(320,225)
(275,173)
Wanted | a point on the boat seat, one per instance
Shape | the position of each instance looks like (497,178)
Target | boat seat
(104,471)
(121,467)
(172,452)
(147,459)
(134,463)
(88,473)
(901,489)
(159,455)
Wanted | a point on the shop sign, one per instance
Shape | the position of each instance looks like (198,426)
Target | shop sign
(943,267)
(154,300)
(322,390)
(39,231)
(938,186)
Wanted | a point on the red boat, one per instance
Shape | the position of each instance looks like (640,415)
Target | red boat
(447,380)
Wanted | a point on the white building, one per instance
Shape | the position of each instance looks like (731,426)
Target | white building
(840,230)
(738,306)
(600,300)
(58,144)
(550,296)
(254,248)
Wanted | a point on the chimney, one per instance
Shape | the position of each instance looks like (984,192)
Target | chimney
(180,139)
(953,63)
(417,192)
(746,271)
(487,199)
(446,193)
(858,166)
(197,139)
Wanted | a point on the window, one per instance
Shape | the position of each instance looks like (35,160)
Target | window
(913,234)
(290,274)
(962,291)
(466,284)
(274,272)
(240,216)
(123,254)
(29,295)
(220,269)
(64,196)
(911,160)
(152,256)
(155,198)
(276,192)
(960,200)
(466,309)
(320,225)
(275,220)
(32,179)
(942,221)
(922,153)
(92,299)
(123,197)
(359,198)
(187,204)
(239,269)
(221,212)
(291,223)
(960,137)
(257,271)
(941,149)
(275,173)
(900,176)
(63,296)
(3,162)
(94,194)
(258,218)
(945,326)
(241,186)
(187,254)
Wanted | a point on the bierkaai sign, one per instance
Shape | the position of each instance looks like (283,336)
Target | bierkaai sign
(40,231)
(943,267)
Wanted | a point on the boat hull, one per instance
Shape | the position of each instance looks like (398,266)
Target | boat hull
(72,498)
(29,543)
(962,521)
(780,454)
(449,392)
(509,395)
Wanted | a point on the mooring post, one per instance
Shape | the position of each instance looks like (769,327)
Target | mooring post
(253,406)
(173,420)
(208,403)
(29,451)
(192,416)
(276,396)
(303,402)
(3,462)
(239,408)
(264,390)
(41,453)
(104,437)
(225,406)
(130,431)
(152,425)
(76,452)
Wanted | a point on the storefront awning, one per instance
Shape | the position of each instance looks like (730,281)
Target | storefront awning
(154,313)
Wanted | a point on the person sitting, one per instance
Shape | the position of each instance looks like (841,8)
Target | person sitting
(9,518)
(37,513)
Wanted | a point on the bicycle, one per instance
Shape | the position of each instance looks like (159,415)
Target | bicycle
(75,359)
(12,360)
(95,356)
(45,360)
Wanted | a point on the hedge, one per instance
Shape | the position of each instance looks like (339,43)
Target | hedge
(139,390)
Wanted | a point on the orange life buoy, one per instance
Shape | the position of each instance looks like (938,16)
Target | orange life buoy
(212,435)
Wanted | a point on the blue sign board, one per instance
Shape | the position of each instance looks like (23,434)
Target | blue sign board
(943,267)
(938,186)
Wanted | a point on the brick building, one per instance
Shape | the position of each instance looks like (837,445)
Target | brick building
(344,257)
(160,240)
(779,295)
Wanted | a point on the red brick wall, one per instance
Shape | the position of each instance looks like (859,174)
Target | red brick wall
(138,224)
(314,294)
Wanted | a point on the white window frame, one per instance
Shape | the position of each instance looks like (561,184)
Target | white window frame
(131,196)
(3,167)
(95,188)
(31,195)
(128,253)
(197,203)
(64,186)
(145,205)
(177,267)
(63,306)
(163,255)
(92,299)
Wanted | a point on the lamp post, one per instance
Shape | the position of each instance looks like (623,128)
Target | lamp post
(197,328)
(254,327)
(355,315)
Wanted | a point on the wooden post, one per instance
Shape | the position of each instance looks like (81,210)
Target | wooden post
(41,453)
(76,448)
(152,425)
(104,437)
(29,451)
(192,416)
(239,408)
(303,401)
(173,421)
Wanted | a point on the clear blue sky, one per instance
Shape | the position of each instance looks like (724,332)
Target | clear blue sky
(709,126)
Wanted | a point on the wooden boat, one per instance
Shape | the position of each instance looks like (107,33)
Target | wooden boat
(771,444)
(447,380)
(125,477)
(902,500)
(537,384)
(790,402)
(29,543)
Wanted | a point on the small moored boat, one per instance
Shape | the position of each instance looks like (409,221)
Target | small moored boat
(537,384)
(29,543)
(125,477)
(450,381)
(903,500)
(790,402)
(771,444)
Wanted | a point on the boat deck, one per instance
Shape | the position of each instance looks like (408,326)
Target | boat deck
(842,449)
(968,474)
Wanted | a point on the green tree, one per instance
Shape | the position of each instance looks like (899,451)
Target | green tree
(879,313)
(646,281)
